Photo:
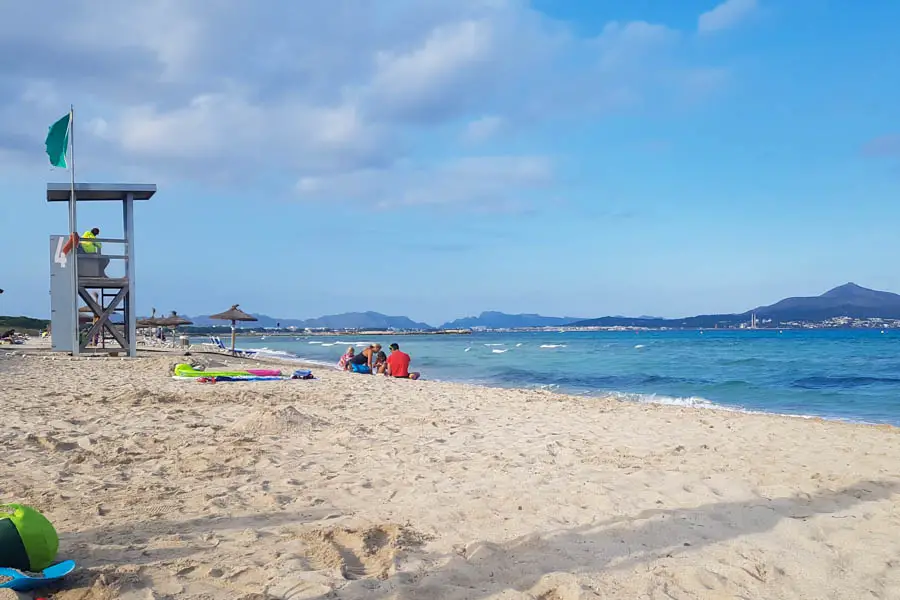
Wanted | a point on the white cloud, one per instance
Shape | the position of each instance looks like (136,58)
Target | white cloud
(309,185)
(698,85)
(726,15)
(424,79)
(625,45)
(483,128)
(98,127)
(41,94)
(210,123)
(486,182)
(329,92)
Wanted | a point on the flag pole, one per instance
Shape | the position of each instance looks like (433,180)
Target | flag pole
(73,230)
(72,224)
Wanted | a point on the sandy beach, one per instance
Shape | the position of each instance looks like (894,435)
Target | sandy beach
(353,486)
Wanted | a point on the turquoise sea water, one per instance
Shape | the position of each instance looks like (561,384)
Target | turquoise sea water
(839,374)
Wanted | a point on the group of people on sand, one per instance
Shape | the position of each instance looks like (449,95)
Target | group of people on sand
(373,361)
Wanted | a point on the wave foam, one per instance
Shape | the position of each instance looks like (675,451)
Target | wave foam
(689,401)
(266,352)
(319,363)
(703,403)
(553,346)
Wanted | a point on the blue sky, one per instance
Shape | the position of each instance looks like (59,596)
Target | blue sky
(437,159)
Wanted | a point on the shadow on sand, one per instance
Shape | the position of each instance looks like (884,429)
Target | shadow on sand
(487,568)
(127,543)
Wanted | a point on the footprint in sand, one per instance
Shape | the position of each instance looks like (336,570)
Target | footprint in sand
(371,553)
(50,443)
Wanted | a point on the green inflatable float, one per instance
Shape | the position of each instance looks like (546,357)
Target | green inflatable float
(28,541)
(185,370)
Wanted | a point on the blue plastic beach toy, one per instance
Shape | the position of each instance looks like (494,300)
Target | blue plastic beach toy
(22,582)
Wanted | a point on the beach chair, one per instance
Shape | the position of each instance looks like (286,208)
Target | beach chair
(238,351)
(211,345)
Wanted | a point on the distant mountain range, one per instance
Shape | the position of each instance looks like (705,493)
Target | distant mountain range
(499,320)
(374,320)
(353,320)
(848,300)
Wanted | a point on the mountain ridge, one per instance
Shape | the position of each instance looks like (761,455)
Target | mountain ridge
(499,320)
(348,320)
(847,300)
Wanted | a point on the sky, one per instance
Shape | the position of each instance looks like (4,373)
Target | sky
(437,159)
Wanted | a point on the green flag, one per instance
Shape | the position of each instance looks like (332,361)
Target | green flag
(58,142)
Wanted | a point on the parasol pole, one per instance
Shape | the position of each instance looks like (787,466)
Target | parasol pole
(232,337)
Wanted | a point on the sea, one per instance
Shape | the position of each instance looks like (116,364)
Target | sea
(850,375)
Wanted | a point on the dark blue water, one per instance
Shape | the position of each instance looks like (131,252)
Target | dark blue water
(841,374)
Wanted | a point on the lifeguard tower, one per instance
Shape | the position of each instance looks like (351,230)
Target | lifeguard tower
(109,299)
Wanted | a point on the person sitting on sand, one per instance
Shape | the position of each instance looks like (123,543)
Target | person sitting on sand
(380,364)
(398,364)
(362,362)
(344,363)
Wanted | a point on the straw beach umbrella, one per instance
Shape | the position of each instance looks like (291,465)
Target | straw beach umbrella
(83,316)
(150,321)
(233,314)
(173,321)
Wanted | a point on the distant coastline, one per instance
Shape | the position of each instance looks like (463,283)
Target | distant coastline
(849,306)
(846,306)
(288,333)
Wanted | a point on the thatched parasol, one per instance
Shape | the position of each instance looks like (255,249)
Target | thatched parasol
(233,314)
(173,321)
(150,321)
(82,314)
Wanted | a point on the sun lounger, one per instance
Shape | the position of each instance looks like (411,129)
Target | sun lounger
(238,351)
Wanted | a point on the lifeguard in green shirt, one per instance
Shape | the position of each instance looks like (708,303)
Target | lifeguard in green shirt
(89,246)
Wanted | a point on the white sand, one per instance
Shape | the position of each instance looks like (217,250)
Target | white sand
(353,486)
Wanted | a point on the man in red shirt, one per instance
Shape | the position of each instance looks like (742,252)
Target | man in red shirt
(398,364)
